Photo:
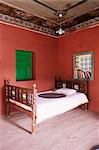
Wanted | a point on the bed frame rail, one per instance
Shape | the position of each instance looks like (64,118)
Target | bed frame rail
(15,95)
(79,85)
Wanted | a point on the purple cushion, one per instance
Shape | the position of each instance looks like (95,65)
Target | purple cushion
(52,95)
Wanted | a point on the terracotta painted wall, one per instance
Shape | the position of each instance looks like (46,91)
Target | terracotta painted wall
(86,40)
(45,47)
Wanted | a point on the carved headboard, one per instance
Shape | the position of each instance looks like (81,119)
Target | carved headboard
(79,85)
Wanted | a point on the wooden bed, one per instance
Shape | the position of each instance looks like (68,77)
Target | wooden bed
(23,98)
(79,85)
(20,95)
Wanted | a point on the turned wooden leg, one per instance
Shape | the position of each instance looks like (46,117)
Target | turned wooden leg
(33,124)
(34,109)
(33,128)
(7,109)
(86,106)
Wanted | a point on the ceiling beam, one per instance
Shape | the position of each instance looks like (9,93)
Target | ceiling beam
(77,4)
(45,5)
(69,7)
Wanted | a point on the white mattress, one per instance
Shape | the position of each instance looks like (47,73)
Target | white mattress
(47,108)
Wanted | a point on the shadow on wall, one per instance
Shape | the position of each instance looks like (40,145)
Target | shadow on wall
(95,147)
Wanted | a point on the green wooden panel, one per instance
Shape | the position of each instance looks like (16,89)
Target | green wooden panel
(23,65)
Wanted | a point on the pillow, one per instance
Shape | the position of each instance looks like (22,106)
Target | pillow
(66,91)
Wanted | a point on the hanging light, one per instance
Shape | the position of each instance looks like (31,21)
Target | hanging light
(60,14)
(60,31)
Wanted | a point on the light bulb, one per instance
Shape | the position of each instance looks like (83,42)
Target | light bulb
(60,31)
(60,14)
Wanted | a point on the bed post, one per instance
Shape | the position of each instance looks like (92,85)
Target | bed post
(7,82)
(87,94)
(34,109)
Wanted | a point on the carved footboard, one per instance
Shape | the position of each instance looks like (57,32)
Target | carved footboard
(22,99)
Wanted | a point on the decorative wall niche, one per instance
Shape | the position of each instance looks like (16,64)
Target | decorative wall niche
(83,66)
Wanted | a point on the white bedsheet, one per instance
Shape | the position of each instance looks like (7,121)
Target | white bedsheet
(47,108)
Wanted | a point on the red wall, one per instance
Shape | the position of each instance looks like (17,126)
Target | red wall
(45,47)
(49,53)
(86,40)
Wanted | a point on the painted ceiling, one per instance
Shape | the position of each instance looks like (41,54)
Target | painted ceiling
(43,15)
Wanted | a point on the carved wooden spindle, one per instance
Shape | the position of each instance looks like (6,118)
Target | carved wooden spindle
(7,82)
(34,108)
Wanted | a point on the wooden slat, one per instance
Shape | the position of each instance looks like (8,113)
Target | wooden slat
(16,93)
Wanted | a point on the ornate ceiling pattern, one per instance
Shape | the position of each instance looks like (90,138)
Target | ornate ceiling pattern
(22,18)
